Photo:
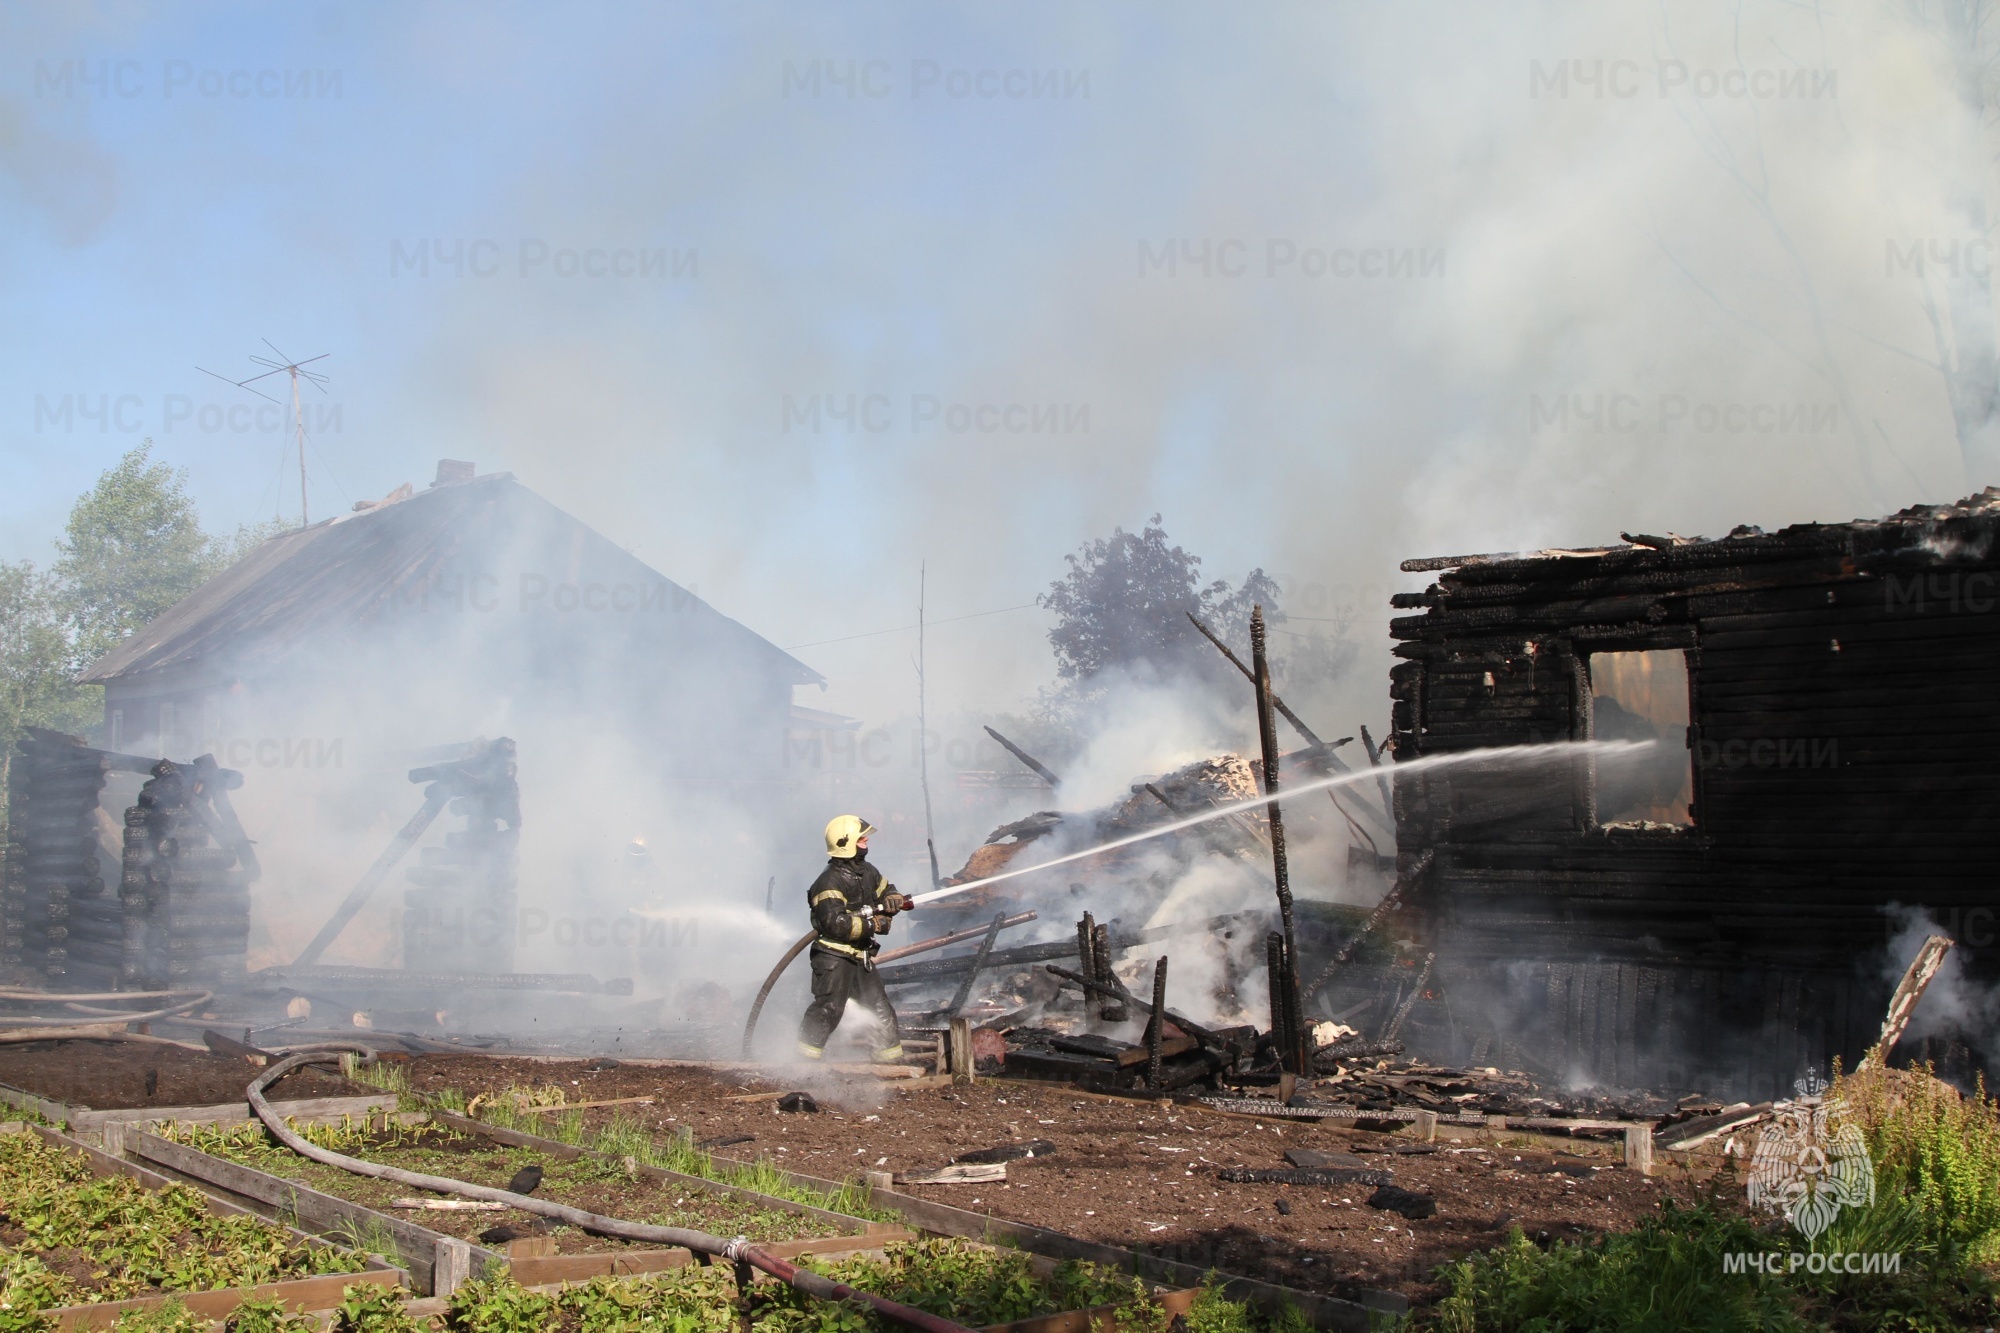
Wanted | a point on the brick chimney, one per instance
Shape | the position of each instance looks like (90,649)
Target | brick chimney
(451,471)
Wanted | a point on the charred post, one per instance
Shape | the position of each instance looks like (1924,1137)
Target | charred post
(1109,987)
(1291,1051)
(1156,1025)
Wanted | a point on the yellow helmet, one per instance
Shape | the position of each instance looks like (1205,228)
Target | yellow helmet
(844,833)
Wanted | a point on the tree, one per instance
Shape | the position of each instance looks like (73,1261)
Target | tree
(1125,604)
(35,684)
(133,547)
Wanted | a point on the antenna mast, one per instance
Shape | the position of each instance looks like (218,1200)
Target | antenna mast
(924,734)
(297,370)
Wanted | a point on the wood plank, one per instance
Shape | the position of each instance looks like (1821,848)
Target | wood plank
(233,1113)
(54,1112)
(541,1269)
(107,1163)
(416,1246)
(299,1294)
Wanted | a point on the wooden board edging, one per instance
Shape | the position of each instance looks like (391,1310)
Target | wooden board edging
(300,1294)
(416,1246)
(104,1163)
(1331,1312)
(237,1113)
(556,1268)
(54,1112)
(84,1118)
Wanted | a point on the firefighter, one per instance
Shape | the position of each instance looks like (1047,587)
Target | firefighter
(851,904)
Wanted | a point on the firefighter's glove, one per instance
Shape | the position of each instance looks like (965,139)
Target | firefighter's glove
(894,902)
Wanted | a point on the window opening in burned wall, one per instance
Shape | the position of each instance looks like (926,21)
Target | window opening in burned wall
(1643,696)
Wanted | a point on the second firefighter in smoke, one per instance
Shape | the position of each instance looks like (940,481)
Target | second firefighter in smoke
(851,904)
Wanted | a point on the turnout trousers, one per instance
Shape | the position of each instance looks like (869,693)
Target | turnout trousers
(836,979)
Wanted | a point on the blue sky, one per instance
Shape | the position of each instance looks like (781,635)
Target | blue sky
(969,211)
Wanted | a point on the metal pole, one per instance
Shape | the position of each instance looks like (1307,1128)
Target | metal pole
(924,734)
(299,419)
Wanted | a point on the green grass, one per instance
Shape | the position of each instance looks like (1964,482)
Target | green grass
(384,1075)
(625,1137)
(1936,1155)
(1667,1275)
(436,1150)
(970,1284)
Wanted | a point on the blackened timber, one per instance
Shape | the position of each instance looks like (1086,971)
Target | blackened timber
(1033,765)
(1293,1052)
(1843,753)
(1027,954)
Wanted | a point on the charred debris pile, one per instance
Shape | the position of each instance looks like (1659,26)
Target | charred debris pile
(1349,994)
(125,873)
(157,896)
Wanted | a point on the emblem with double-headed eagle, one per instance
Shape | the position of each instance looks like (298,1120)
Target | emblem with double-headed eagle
(1811,1161)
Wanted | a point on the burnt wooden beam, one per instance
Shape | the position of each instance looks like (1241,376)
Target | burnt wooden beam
(1032,763)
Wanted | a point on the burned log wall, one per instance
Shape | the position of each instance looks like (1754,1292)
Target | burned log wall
(1844,712)
(61,922)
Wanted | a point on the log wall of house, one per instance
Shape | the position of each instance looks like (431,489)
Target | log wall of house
(1845,704)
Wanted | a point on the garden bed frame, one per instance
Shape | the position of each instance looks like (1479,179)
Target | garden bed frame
(438,1263)
(1330,1312)
(84,1120)
(307,1293)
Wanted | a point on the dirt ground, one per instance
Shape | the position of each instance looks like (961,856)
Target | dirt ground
(1136,1174)
(108,1076)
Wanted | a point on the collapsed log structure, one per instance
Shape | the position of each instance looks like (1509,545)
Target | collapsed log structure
(461,914)
(58,926)
(1826,710)
(185,883)
(162,902)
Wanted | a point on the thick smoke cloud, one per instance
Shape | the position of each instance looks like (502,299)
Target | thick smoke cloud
(1398,244)
(1326,288)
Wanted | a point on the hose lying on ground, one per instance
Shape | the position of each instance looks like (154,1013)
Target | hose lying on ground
(99,1016)
(91,1032)
(738,1251)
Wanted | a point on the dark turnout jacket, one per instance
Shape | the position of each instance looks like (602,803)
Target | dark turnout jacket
(836,899)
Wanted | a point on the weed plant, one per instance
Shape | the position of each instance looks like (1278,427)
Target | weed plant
(167,1317)
(124,1239)
(1936,1151)
(365,1308)
(268,1316)
(382,1075)
(626,1137)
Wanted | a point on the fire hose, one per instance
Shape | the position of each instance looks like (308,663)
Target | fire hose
(921,946)
(98,1014)
(101,1024)
(738,1251)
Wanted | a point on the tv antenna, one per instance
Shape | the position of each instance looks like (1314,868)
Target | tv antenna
(284,365)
